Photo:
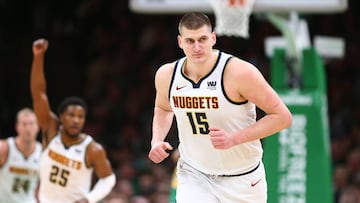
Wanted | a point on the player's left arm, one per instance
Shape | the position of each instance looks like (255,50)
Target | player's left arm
(245,82)
(255,88)
(97,158)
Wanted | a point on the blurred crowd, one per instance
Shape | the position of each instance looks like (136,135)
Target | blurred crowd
(105,53)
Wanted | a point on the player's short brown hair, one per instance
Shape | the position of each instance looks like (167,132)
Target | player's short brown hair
(194,21)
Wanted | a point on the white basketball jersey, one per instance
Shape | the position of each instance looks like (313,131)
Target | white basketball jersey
(19,176)
(64,174)
(198,106)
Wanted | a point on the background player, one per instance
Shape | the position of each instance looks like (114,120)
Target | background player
(19,161)
(70,157)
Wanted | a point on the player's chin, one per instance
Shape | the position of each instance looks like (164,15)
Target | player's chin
(74,132)
(199,59)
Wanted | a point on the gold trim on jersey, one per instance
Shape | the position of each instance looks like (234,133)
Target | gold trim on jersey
(22,171)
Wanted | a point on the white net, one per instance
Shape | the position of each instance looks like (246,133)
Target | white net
(232,17)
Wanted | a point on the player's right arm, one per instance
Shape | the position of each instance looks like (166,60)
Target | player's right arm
(47,119)
(4,151)
(163,114)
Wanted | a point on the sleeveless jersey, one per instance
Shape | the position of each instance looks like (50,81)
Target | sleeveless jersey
(64,174)
(19,176)
(198,106)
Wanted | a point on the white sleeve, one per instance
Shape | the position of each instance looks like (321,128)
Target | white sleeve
(101,189)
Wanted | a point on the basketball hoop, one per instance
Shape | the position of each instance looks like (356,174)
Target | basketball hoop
(232,17)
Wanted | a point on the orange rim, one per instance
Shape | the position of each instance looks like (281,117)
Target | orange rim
(234,2)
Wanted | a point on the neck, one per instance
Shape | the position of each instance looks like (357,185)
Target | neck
(69,140)
(196,71)
(26,147)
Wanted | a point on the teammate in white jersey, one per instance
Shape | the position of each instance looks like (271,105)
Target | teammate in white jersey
(20,161)
(213,96)
(70,157)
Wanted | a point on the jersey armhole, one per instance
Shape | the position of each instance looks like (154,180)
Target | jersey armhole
(173,78)
(87,164)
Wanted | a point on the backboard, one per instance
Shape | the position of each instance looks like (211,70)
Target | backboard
(181,6)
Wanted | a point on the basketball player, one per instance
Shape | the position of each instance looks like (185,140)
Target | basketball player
(70,157)
(213,96)
(19,161)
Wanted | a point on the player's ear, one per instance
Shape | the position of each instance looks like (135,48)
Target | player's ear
(179,41)
(213,36)
(61,118)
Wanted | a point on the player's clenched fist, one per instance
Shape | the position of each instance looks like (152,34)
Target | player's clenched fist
(221,139)
(159,152)
(40,46)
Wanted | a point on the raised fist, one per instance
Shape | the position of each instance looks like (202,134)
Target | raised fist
(40,46)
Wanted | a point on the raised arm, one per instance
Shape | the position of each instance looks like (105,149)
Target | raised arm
(47,119)
(163,115)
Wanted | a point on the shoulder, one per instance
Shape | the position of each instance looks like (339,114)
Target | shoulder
(95,153)
(163,75)
(95,148)
(243,80)
(4,150)
(237,67)
(4,145)
(165,70)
